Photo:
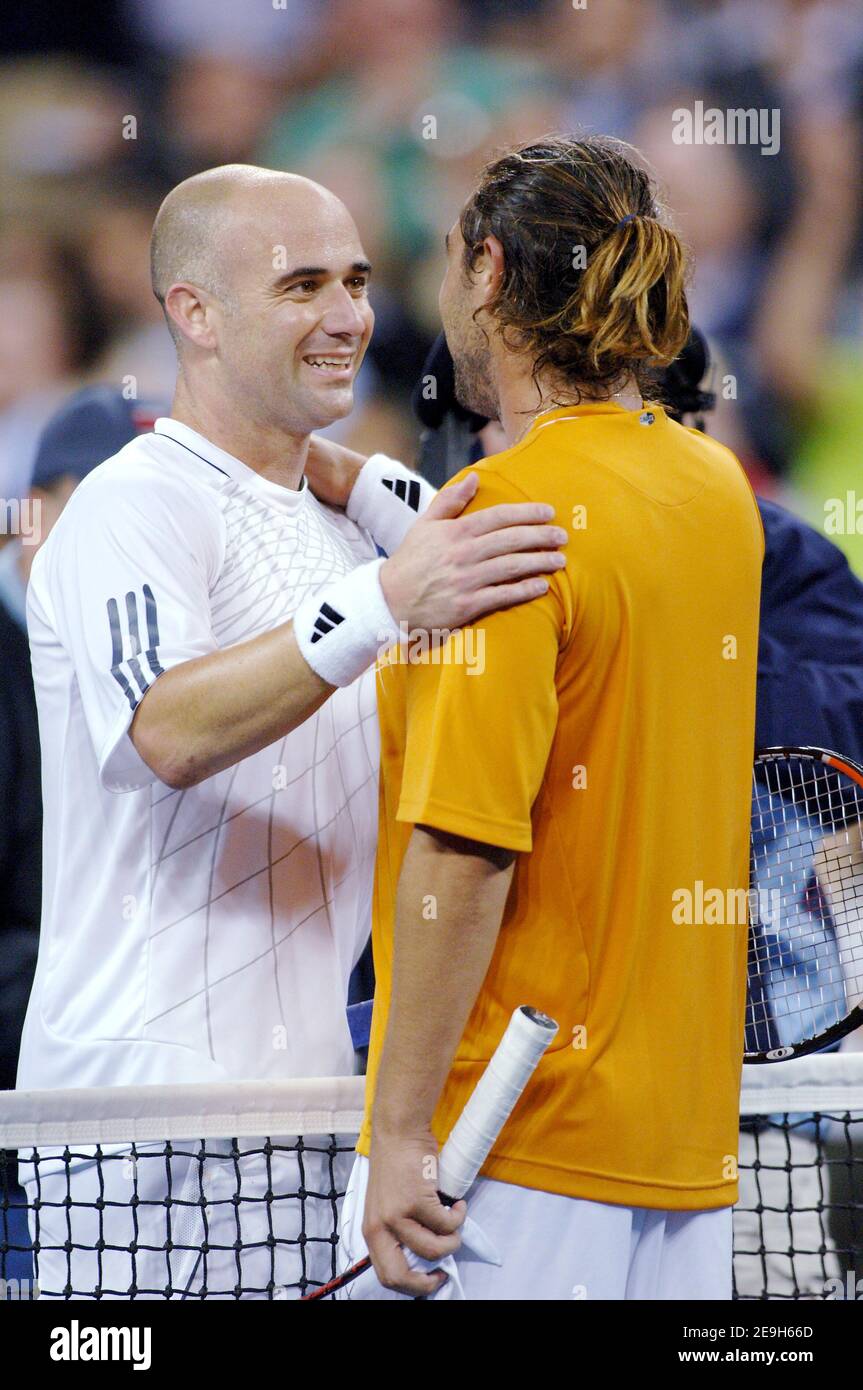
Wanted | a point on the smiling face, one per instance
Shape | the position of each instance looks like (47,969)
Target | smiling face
(265,282)
(461,295)
(298,319)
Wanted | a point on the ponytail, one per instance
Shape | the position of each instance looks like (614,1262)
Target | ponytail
(594,286)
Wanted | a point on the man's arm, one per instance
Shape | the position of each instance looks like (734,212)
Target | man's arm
(438,969)
(207,713)
(332,470)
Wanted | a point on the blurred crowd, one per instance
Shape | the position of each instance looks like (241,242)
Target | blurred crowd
(395,104)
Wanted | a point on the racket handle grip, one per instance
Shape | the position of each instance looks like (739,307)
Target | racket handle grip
(473,1135)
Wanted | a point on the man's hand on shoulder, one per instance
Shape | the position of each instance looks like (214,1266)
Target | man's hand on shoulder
(451,569)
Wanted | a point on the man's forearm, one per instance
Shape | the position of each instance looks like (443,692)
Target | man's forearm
(208,713)
(450,902)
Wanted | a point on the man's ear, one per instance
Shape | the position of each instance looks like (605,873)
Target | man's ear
(188,308)
(489,266)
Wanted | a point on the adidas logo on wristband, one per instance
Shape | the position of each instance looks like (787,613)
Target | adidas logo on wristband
(354,618)
(406,490)
(326,620)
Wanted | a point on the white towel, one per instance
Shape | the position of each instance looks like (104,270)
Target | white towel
(475,1245)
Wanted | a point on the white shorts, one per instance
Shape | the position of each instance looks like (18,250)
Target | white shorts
(553,1247)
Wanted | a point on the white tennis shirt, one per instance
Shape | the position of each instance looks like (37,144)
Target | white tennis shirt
(208,933)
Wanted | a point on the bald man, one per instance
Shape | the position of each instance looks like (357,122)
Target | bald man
(203,632)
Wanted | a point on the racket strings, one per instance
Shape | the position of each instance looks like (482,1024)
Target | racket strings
(806,901)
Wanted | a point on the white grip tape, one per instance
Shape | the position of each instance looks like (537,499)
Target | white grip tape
(473,1135)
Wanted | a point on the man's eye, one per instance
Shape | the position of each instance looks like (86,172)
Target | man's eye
(358,282)
(306,286)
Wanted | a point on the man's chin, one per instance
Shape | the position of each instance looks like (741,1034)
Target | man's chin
(469,402)
(471,396)
(329,408)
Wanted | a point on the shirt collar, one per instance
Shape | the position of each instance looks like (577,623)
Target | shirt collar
(591,408)
(286,498)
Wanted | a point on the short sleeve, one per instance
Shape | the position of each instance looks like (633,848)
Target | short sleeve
(481,715)
(125,588)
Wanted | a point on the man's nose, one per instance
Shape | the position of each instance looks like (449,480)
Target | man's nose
(344,315)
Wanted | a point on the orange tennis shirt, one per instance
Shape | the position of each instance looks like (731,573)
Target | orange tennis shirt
(605,732)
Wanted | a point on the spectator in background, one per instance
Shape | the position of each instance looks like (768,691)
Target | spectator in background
(138,352)
(59,118)
(397,131)
(88,428)
(720,211)
(201,88)
(50,328)
(20,834)
(811,49)
(809,335)
(268,35)
(401,66)
(346,92)
(611,61)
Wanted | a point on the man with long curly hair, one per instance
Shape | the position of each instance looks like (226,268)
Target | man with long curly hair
(540,820)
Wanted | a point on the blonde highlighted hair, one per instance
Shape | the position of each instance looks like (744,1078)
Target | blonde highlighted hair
(594,286)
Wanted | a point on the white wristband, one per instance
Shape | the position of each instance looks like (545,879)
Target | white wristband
(342,628)
(386,500)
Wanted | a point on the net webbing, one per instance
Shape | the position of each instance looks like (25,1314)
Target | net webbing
(798,1224)
(234,1191)
(175,1192)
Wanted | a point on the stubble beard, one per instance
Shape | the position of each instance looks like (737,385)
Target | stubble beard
(474,387)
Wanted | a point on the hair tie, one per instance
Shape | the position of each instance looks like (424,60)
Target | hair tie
(630,217)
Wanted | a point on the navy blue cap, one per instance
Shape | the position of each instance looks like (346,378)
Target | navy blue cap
(88,428)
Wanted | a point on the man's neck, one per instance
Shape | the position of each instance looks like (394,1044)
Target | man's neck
(275,454)
(520,405)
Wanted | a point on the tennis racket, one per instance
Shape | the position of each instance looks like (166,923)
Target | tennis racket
(805,959)
(473,1135)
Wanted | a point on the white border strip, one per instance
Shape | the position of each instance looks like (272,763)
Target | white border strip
(830,1083)
(149,1114)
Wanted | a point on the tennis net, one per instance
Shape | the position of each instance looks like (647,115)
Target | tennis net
(234,1191)
(175,1192)
(798,1224)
